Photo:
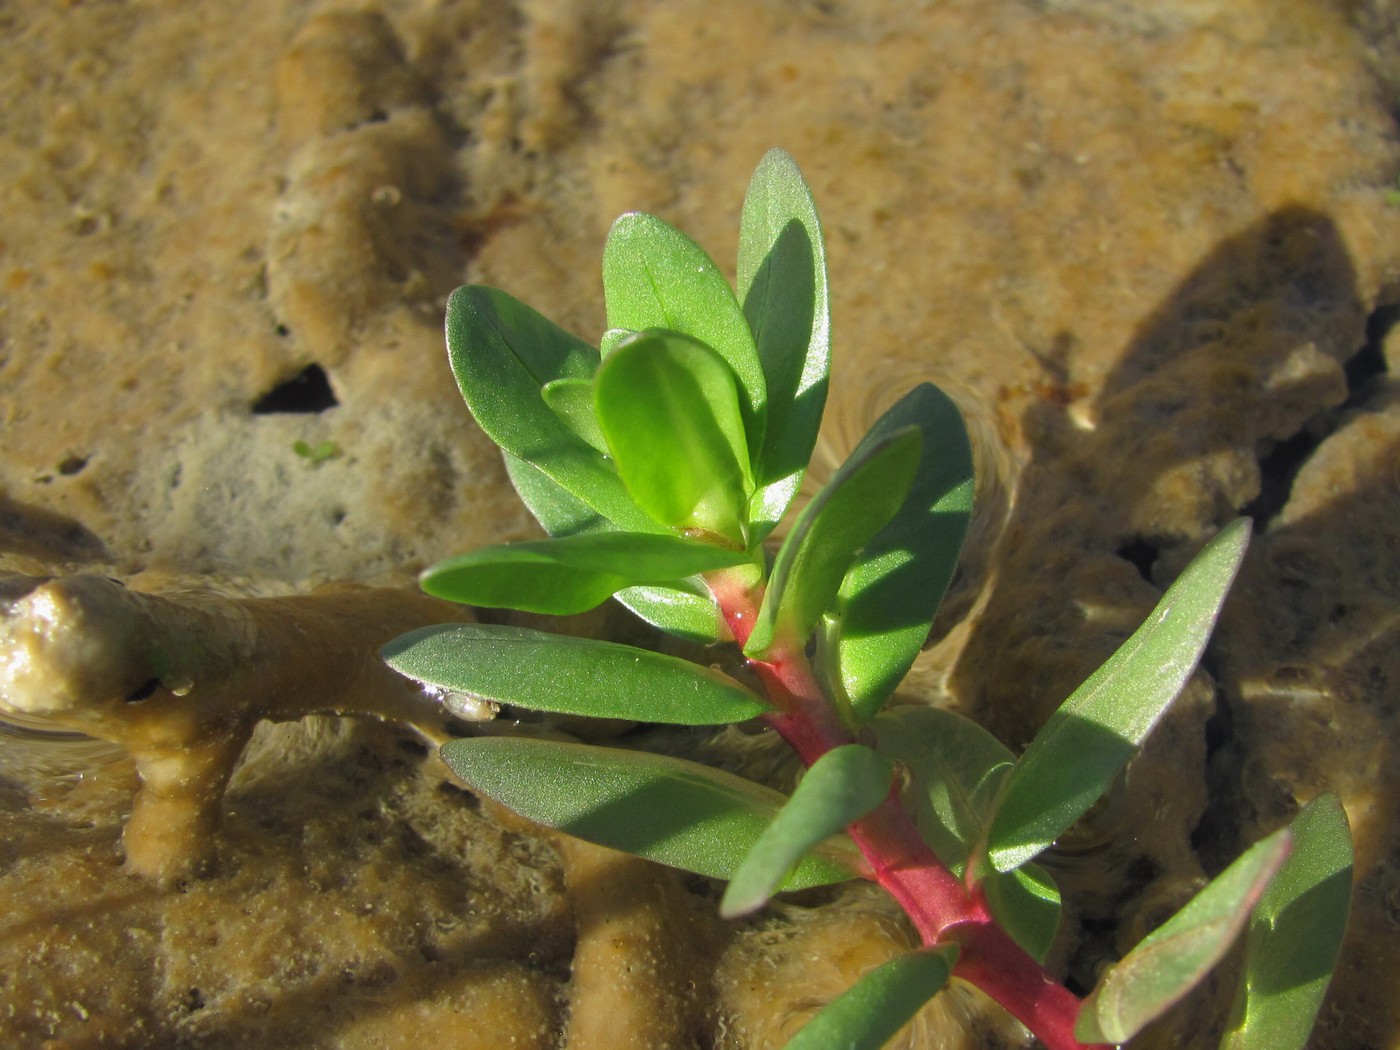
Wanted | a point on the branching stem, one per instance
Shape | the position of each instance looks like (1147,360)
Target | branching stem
(936,901)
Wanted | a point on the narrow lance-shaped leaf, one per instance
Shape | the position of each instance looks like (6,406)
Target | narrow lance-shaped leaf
(654,806)
(1294,935)
(876,1007)
(669,409)
(566,675)
(841,787)
(890,595)
(851,508)
(782,282)
(1175,957)
(502,354)
(1085,744)
(655,277)
(687,609)
(570,574)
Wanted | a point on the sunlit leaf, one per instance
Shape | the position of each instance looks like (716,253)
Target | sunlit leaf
(502,354)
(872,1011)
(889,597)
(841,787)
(1088,741)
(654,276)
(831,530)
(567,675)
(687,610)
(570,574)
(665,809)
(572,401)
(783,284)
(1174,958)
(669,409)
(553,507)
(1295,935)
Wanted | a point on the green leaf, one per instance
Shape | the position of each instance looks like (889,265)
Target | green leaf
(560,513)
(572,401)
(889,596)
(654,276)
(687,610)
(1174,958)
(876,1007)
(851,508)
(567,675)
(1088,741)
(503,353)
(955,767)
(570,574)
(841,787)
(1026,904)
(654,806)
(1294,935)
(669,409)
(782,281)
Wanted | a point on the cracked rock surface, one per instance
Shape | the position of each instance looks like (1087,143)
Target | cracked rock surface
(1152,248)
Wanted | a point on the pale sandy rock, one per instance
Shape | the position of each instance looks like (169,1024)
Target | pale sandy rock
(1140,242)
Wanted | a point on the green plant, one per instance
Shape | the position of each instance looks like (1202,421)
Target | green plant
(660,465)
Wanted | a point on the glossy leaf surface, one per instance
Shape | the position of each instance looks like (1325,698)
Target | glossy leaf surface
(842,786)
(664,809)
(502,354)
(570,574)
(882,1002)
(1294,935)
(567,675)
(1175,957)
(782,282)
(655,277)
(852,507)
(890,595)
(1088,741)
(669,409)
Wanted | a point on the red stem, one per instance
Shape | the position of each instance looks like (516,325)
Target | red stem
(937,902)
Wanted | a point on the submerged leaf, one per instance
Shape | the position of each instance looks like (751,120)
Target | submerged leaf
(841,787)
(654,806)
(851,508)
(570,574)
(1085,744)
(1176,956)
(668,407)
(889,597)
(876,1007)
(1295,935)
(783,285)
(567,675)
